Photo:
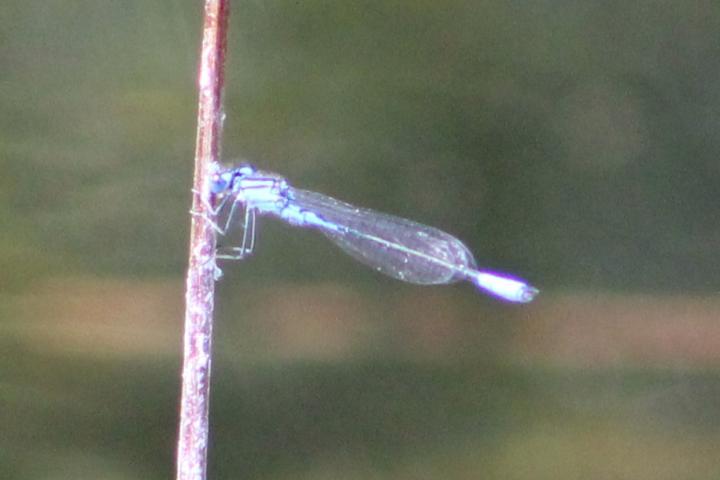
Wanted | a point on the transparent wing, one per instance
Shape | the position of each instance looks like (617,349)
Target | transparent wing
(397,247)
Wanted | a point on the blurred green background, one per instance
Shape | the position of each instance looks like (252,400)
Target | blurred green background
(572,143)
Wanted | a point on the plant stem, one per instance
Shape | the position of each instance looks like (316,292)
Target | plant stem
(200,286)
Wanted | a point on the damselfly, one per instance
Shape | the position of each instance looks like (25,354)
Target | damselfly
(397,247)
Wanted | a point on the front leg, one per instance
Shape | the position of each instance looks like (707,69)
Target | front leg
(248,241)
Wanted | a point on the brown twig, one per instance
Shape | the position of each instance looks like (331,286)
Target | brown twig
(200,288)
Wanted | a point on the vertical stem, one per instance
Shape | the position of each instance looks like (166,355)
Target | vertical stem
(200,288)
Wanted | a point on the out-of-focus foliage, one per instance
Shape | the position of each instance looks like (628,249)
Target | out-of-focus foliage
(573,143)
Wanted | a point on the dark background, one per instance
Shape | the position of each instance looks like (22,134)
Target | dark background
(571,143)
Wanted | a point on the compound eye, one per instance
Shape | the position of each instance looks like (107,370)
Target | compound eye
(220,182)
